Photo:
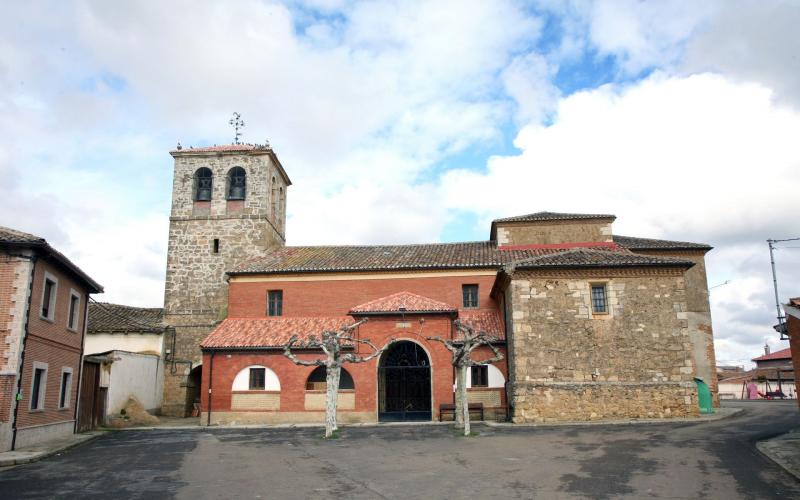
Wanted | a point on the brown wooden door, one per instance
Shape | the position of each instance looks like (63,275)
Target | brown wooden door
(87,409)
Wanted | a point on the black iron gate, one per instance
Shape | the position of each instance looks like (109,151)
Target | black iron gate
(404,383)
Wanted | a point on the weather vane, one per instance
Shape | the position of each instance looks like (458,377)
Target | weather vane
(237,123)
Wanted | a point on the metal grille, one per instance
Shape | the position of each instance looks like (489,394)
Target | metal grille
(404,384)
(470,294)
(237,181)
(204,180)
(599,299)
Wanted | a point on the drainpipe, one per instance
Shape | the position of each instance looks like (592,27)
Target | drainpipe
(80,365)
(210,380)
(17,396)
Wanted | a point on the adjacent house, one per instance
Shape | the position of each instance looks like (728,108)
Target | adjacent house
(792,309)
(43,305)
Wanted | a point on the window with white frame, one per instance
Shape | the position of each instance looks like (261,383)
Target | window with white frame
(73,314)
(66,388)
(38,385)
(49,292)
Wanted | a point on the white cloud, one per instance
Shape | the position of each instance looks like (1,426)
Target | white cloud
(697,158)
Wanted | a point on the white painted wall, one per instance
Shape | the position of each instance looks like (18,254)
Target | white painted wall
(242,380)
(496,378)
(96,343)
(138,375)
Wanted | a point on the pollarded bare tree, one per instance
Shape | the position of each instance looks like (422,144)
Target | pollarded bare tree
(462,359)
(333,344)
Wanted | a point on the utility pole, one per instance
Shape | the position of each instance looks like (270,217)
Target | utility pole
(771,244)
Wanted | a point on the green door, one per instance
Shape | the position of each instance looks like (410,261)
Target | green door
(704,396)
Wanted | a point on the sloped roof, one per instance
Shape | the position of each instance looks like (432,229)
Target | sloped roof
(116,318)
(634,243)
(8,235)
(270,332)
(551,216)
(13,238)
(406,302)
(221,148)
(481,320)
(468,255)
(782,354)
(586,257)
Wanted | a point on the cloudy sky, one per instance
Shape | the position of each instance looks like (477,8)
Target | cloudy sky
(416,121)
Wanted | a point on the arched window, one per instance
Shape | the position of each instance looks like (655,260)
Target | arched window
(237,182)
(256,378)
(316,381)
(203,182)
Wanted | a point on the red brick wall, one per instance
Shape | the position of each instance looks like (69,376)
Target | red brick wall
(52,343)
(365,376)
(793,325)
(329,298)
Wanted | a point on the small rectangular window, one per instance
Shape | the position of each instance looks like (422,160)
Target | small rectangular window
(74,303)
(49,298)
(470,295)
(215,248)
(37,388)
(480,376)
(599,303)
(257,379)
(66,386)
(275,303)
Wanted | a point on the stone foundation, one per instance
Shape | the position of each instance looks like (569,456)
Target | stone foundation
(559,401)
(279,417)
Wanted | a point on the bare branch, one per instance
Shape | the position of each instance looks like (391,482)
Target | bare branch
(498,356)
(287,351)
(447,343)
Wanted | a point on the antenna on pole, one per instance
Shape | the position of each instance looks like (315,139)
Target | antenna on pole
(771,244)
(237,123)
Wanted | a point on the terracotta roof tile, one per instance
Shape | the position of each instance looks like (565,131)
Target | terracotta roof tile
(782,354)
(469,255)
(487,321)
(406,302)
(8,235)
(547,216)
(116,318)
(633,243)
(585,257)
(221,148)
(253,333)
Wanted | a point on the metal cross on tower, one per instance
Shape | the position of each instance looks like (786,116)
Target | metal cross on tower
(237,123)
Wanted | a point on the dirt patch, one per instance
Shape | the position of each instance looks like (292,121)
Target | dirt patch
(132,414)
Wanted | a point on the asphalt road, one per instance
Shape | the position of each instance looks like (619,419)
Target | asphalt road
(708,460)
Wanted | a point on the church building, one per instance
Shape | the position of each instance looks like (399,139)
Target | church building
(592,325)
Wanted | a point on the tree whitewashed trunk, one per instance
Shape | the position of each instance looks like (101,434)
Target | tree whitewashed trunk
(459,411)
(332,374)
(462,396)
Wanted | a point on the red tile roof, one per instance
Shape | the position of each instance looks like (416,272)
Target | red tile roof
(222,147)
(406,302)
(253,333)
(487,321)
(782,354)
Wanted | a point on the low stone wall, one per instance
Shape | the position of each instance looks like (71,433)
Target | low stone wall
(280,417)
(559,401)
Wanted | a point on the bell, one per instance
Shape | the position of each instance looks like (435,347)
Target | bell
(204,194)
(237,193)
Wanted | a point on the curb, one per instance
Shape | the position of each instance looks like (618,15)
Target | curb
(767,448)
(35,456)
(508,425)
(685,420)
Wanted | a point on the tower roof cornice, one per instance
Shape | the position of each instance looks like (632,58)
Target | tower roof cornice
(232,150)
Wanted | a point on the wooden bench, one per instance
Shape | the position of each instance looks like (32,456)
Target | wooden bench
(449,408)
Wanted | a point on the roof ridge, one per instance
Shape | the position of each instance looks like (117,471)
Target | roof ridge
(475,242)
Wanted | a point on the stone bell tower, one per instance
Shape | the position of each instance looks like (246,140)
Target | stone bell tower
(228,206)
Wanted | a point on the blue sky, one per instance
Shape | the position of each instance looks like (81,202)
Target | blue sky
(415,121)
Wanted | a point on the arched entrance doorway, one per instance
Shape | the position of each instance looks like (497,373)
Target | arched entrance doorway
(404,383)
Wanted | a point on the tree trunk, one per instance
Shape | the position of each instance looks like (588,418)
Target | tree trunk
(458,416)
(331,397)
(462,397)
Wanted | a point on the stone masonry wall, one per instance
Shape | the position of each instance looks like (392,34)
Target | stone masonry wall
(571,364)
(699,316)
(196,293)
(538,233)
